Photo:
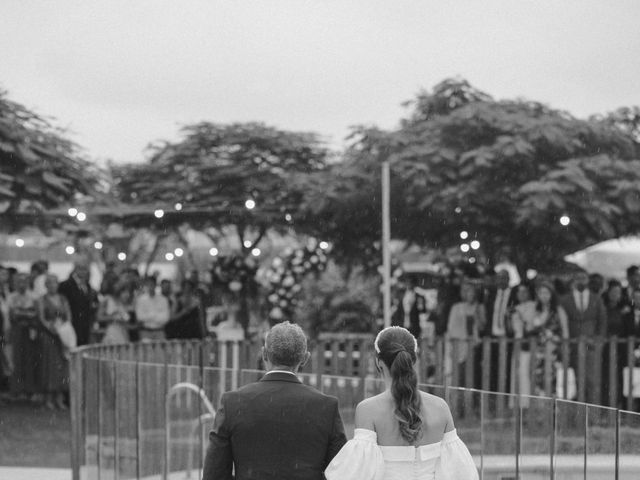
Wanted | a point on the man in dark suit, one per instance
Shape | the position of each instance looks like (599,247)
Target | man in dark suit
(587,317)
(499,302)
(630,328)
(83,301)
(277,428)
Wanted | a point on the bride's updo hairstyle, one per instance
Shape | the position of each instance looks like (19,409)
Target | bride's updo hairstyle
(398,349)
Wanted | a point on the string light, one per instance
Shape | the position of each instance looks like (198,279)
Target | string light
(464,235)
(159,213)
(72,212)
(81,216)
(472,259)
(70,250)
(464,247)
(168,256)
(256,252)
(19,242)
(565,220)
(250,204)
(247,243)
(213,251)
(97,245)
(178,206)
(324,245)
(475,244)
(122,256)
(288,217)
(178,252)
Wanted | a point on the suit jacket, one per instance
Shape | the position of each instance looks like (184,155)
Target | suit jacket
(590,323)
(489,304)
(277,428)
(83,307)
(629,327)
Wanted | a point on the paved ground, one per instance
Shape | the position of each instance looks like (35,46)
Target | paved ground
(20,473)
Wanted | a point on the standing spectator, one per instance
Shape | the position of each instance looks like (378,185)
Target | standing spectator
(586,312)
(466,319)
(166,290)
(25,341)
(188,320)
(587,320)
(633,283)
(521,309)
(596,284)
(115,313)
(615,306)
(152,311)
(631,328)
(6,365)
(82,299)
(542,320)
(498,303)
(53,310)
(39,271)
(109,279)
(616,311)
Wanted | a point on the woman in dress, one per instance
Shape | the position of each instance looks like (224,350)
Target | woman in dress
(54,311)
(541,322)
(25,340)
(466,319)
(402,433)
(115,312)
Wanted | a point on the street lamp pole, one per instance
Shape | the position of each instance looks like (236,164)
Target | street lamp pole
(386,238)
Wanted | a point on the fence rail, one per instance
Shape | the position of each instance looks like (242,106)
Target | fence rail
(120,427)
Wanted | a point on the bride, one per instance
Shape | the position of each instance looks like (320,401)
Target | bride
(402,433)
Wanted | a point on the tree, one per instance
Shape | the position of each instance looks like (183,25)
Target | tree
(504,171)
(40,168)
(248,176)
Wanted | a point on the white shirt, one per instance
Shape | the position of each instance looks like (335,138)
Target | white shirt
(281,371)
(581,299)
(152,312)
(499,312)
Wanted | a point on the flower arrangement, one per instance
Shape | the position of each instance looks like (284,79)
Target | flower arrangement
(233,272)
(285,273)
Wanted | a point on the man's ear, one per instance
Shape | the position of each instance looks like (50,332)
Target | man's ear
(263,354)
(307,356)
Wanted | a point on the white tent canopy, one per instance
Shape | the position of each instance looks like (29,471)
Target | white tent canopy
(609,258)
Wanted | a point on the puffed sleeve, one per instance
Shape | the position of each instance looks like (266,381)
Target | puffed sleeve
(359,459)
(455,461)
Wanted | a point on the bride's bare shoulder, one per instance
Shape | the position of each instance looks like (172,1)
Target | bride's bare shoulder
(368,409)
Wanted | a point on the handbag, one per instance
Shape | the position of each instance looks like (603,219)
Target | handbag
(67,334)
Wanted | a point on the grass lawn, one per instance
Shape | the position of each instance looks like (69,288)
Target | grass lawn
(32,436)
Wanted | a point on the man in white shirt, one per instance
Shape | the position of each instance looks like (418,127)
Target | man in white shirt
(152,311)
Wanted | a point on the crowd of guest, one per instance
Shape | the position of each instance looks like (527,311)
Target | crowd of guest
(42,318)
(542,312)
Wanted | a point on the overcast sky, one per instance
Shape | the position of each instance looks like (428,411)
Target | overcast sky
(123,73)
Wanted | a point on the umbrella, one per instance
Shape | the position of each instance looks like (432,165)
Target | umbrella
(610,258)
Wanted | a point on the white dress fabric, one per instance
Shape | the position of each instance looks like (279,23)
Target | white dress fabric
(363,459)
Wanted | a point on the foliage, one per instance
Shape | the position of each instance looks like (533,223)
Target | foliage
(339,302)
(214,169)
(505,171)
(40,168)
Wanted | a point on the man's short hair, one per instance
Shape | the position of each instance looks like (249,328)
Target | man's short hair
(286,345)
(631,271)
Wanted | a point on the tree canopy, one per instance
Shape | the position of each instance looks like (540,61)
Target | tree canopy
(40,167)
(506,171)
(247,175)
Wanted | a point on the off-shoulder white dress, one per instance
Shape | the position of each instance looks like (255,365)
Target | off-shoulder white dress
(363,459)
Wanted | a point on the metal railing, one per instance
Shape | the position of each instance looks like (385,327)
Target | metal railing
(131,418)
